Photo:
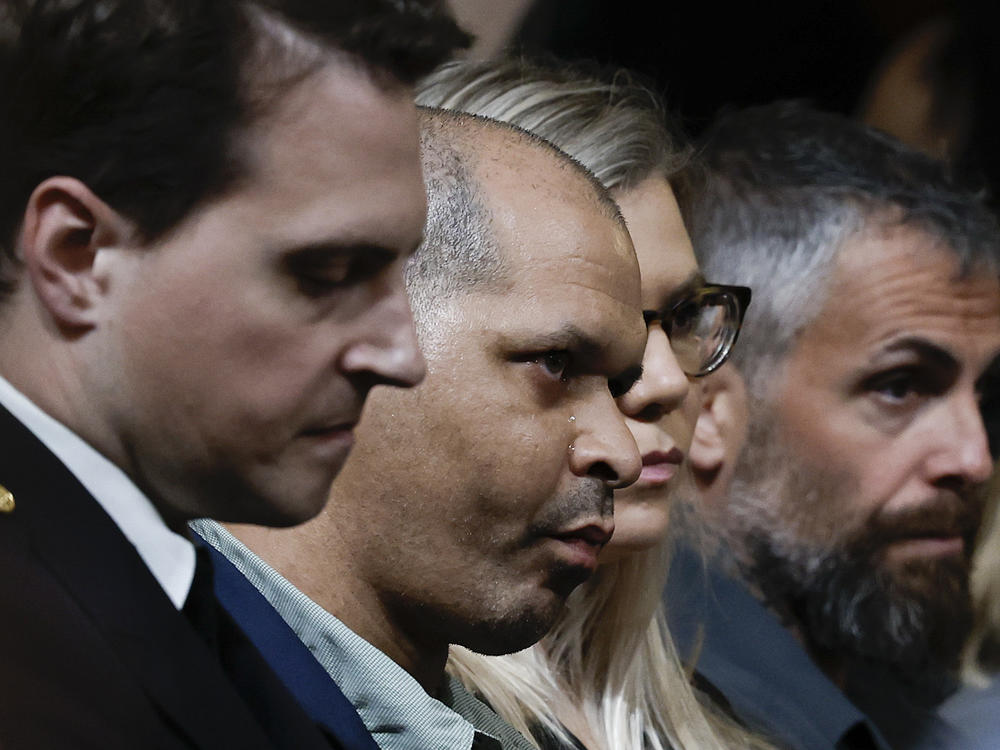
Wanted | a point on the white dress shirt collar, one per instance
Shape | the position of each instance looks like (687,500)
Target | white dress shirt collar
(169,556)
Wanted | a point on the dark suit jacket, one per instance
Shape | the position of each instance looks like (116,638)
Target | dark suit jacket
(92,652)
(304,676)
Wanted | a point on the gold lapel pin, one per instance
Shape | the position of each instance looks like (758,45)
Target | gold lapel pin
(6,500)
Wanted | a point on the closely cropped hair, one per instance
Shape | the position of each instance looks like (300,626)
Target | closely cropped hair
(142,100)
(460,251)
(610,654)
(787,186)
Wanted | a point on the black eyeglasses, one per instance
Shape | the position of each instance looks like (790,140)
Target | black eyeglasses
(703,326)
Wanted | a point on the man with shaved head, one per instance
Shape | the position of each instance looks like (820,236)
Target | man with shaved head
(472,505)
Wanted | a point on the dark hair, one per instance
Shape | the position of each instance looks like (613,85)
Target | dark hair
(142,100)
(787,185)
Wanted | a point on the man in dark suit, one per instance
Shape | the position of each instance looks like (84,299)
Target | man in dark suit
(204,214)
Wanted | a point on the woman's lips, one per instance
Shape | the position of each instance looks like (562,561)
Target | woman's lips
(659,467)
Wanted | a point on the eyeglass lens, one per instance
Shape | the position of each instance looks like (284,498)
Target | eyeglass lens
(702,332)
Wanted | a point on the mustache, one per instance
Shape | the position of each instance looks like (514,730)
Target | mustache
(946,514)
(592,499)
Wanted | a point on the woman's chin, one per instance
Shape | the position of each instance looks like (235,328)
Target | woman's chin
(617,550)
(639,526)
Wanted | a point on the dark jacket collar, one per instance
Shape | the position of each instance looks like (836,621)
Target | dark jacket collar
(281,648)
(755,662)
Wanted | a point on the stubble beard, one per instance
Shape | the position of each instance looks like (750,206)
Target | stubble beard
(504,623)
(853,609)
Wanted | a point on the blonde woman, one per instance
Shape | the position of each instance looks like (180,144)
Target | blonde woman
(607,677)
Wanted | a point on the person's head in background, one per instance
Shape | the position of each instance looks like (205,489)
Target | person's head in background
(610,641)
(204,215)
(935,91)
(870,346)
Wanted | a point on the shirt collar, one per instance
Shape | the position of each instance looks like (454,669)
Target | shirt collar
(394,707)
(169,556)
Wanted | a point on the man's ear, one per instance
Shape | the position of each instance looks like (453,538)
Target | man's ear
(65,224)
(721,426)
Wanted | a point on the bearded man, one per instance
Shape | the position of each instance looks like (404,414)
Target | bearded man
(840,601)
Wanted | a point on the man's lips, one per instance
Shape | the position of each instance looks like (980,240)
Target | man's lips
(659,467)
(334,437)
(581,546)
(940,544)
(596,534)
(326,431)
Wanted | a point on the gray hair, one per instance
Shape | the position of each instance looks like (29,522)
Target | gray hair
(459,250)
(617,128)
(787,187)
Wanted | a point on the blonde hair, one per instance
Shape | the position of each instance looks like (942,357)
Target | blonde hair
(610,654)
(981,658)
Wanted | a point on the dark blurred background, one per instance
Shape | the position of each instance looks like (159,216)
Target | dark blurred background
(704,54)
(924,70)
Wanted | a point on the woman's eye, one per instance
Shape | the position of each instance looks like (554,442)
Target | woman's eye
(554,363)
(683,319)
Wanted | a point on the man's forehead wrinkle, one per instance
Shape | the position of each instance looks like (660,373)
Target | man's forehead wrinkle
(546,235)
(607,264)
(908,279)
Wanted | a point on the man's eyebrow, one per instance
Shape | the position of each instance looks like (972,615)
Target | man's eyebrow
(319,250)
(925,349)
(323,251)
(568,336)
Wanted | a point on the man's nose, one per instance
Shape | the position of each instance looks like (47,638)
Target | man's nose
(963,450)
(603,447)
(386,349)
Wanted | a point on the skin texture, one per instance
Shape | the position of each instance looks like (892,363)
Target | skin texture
(662,407)
(224,367)
(440,529)
(874,445)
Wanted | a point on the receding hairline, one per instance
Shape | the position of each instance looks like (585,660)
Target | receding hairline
(463,132)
